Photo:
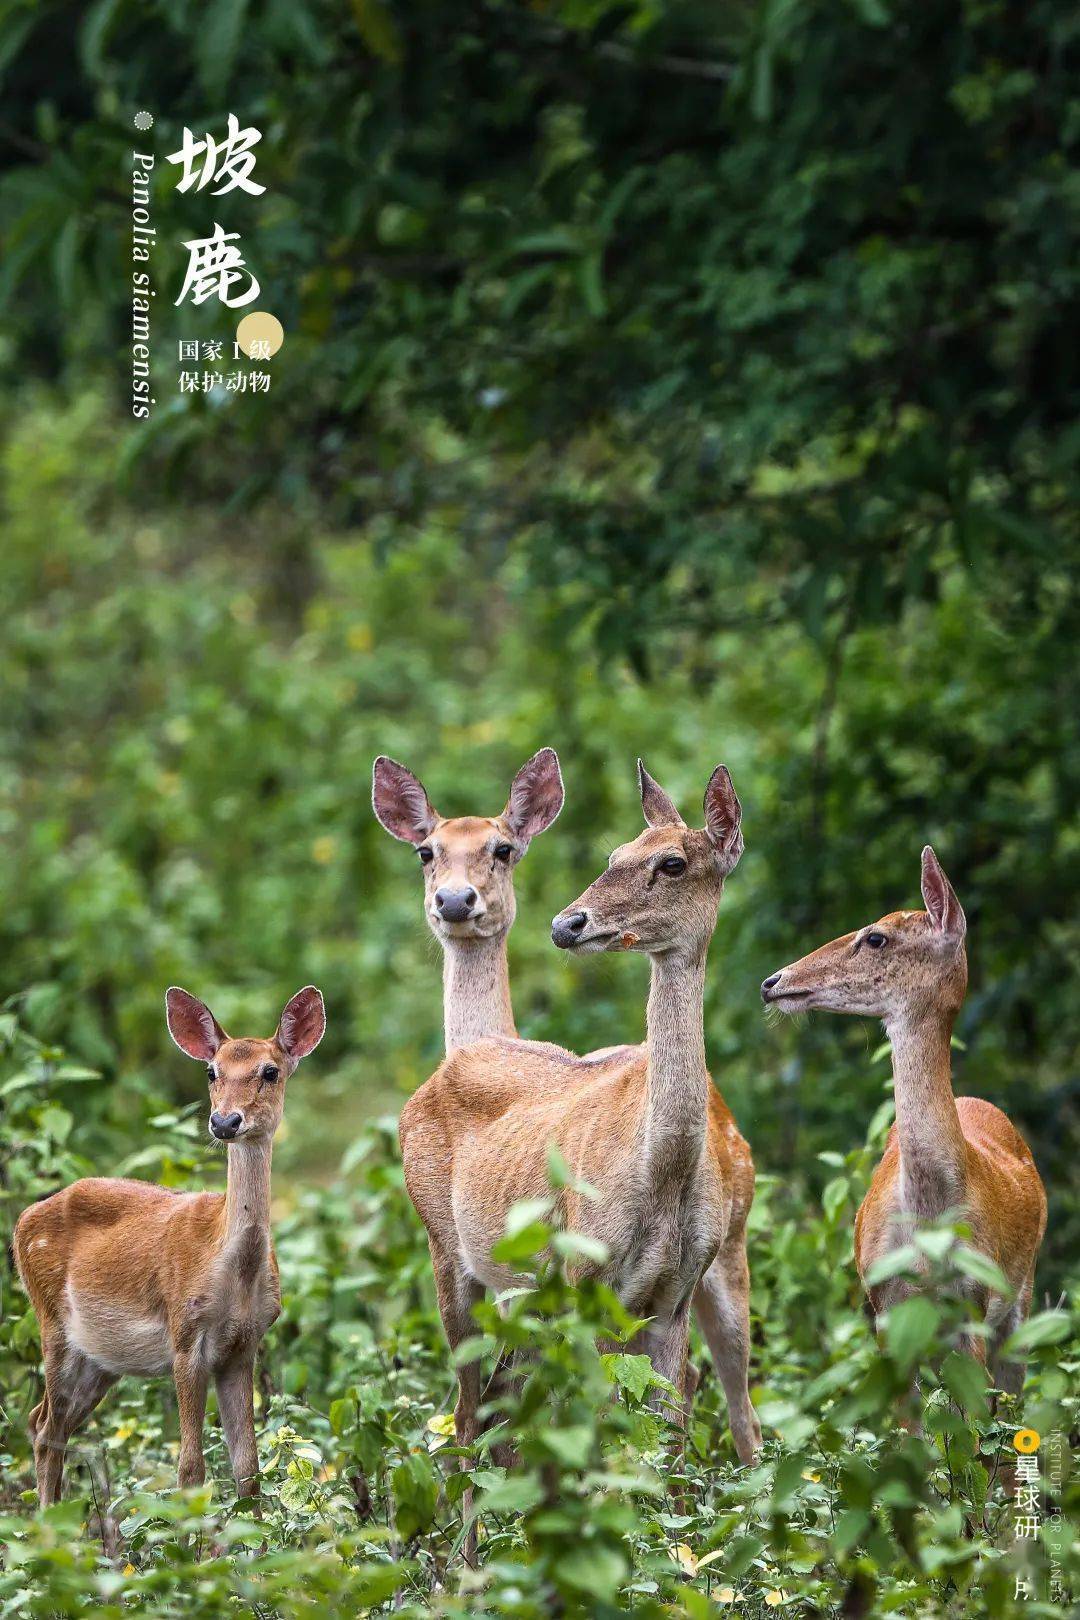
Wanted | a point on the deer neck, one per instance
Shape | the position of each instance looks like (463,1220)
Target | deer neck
(246,1229)
(933,1175)
(476,990)
(678,1080)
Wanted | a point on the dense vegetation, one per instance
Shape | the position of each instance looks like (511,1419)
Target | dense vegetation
(659,378)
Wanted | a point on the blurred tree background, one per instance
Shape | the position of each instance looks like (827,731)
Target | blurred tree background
(660,378)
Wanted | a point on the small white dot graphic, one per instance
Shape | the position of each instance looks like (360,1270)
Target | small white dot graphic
(143,120)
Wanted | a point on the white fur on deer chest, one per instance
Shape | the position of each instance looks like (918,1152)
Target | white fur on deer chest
(116,1339)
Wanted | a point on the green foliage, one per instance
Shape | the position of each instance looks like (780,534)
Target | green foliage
(364,1487)
(693,381)
(185,757)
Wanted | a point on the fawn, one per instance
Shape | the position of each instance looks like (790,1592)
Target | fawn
(643,1125)
(127,1277)
(943,1153)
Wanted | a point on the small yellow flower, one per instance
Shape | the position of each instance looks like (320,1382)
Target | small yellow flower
(442,1424)
(124,1431)
(808,1473)
(323,850)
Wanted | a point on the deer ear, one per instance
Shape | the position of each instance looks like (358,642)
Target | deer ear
(302,1024)
(536,795)
(939,897)
(192,1025)
(400,802)
(723,817)
(658,809)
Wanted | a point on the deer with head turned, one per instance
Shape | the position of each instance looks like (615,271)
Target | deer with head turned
(643,1126)
(943,1153)
(127,1277)
(468,864)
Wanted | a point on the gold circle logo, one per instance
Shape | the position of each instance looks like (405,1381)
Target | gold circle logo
(1027,1441)
(260,335)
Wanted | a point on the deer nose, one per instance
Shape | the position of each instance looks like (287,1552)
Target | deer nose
(455,905)
(225,1126)
(567,926)
(774,978)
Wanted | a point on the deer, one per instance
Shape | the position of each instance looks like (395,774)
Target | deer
(468,864)
(642,1126)
(130,1278)
(944,1153)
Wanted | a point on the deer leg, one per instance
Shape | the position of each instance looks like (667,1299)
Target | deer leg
(691,1380)
(191,1386)
(722,1308)
(73,1387)
(505,1380)
(1009,1375)
(667,1346)
(457,1293)
(235,1385)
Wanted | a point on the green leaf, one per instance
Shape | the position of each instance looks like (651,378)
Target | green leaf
(1048,1327)
(578,1246)
(966,1381)
(217,43)
(416,1492)
(935,1245)
(527,1212)
(835,1196)
(982,1269)
(904,1260)
(572,1445)
(378,29)
(632,1373)
(910,1329)
(596,1570)
(524,1245)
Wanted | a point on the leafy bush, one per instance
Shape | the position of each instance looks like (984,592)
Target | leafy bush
(845,1513)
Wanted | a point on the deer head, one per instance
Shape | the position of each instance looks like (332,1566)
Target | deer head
(247,1077)
(660,893)
(468,861)
(905,962)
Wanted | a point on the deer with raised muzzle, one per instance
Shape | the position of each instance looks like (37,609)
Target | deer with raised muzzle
(944,1154)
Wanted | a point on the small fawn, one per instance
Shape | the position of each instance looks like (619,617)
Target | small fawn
(643,1125)
(943,1153)
(127,1277)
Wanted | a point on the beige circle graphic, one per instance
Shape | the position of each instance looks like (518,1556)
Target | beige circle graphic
(262,329)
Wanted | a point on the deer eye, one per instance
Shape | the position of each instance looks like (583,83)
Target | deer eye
(269,1071)
(503,852)
(426,854)
(876,940)
(673,865)
(211,1073)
